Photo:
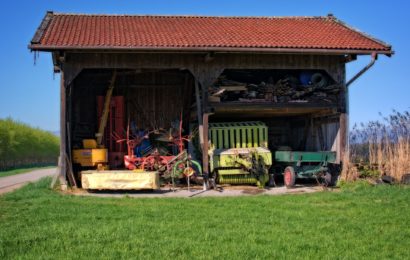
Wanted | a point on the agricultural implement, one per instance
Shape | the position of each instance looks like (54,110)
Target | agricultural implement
(93,154)
(297,164)
(169,166)
(238,153)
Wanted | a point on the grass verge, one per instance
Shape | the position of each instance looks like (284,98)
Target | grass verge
(358,222)
(22,170)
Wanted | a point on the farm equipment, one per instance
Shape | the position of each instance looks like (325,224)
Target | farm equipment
(169,166)
(297,164)
(238,153)
(93,154)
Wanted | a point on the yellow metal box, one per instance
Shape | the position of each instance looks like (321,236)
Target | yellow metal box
(90,157)
(89,144)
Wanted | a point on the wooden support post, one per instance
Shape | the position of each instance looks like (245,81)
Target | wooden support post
(63,135)
(199,114)
(205,159)
(343,135)
(344,126)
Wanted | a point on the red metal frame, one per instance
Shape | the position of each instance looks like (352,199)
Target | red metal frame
(154,161)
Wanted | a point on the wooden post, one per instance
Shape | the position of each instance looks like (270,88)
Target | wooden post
(205,159)
(344,125)
(63,135)
(199,114)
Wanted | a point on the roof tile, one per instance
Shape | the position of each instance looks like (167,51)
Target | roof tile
(122,31)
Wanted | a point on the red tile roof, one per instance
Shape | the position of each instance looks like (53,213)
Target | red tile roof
(315,34)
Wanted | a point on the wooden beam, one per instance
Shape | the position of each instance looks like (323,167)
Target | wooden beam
(199,114)
(195,62)
(63,135)
(344,118)
(205,158)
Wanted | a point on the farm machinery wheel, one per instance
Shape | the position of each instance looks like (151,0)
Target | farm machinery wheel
(330,179)
(289,177)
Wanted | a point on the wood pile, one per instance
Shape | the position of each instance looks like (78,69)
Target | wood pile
(285,90)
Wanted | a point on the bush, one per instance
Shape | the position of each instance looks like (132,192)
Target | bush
(22,145)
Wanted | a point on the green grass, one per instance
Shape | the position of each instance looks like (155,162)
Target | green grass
(358,222)
(22,170)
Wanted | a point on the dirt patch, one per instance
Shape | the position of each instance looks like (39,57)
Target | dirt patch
(222,191)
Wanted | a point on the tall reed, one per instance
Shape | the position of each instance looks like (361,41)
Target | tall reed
(383,144)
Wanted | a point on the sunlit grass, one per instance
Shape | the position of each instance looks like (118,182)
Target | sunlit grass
(358,222)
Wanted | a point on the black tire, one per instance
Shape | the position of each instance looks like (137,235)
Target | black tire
(330,179)
(289,177)
(327,179)
(334,171)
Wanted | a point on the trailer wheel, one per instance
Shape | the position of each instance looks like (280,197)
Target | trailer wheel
(289,177)
(330,179)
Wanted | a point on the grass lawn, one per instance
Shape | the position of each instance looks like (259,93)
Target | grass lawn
(358,222)
(22,170)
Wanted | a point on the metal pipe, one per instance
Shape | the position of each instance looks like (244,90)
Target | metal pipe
(362,71)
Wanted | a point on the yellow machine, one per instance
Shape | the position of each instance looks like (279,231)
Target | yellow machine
(93,154)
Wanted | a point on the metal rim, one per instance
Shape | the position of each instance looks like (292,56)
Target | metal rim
(289,177)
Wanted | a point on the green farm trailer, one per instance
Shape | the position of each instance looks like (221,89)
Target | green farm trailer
(239,153)
(301,164)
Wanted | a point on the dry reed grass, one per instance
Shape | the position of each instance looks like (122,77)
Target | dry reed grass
(384,145)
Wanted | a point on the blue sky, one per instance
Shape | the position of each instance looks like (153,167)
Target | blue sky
(29,92)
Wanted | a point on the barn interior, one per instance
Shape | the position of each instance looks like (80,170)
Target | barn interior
(301,109)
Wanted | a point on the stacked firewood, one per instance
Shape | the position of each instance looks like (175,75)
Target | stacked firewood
(284,90)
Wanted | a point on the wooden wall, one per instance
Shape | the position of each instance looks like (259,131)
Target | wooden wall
(152,98)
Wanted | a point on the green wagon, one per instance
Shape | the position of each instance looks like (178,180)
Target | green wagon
(239,153)
(302,164)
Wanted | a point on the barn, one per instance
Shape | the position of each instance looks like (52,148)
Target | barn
(197,73)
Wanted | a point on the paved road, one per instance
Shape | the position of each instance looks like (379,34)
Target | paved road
(11,183)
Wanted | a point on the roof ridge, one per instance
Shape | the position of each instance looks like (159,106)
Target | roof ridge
(192,16)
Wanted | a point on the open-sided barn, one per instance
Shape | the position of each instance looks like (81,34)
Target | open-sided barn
(286,72)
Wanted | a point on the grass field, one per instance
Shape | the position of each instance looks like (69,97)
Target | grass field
(358,222)
(21,170)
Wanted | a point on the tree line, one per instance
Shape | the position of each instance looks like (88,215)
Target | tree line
(22,145)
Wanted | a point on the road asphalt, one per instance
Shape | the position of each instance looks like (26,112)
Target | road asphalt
(13,182)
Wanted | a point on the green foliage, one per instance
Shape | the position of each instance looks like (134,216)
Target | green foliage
(359,184)
(369,172)
(22,145)
(361,222)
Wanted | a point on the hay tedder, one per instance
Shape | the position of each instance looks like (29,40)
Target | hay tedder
(169,166)
(239,153)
